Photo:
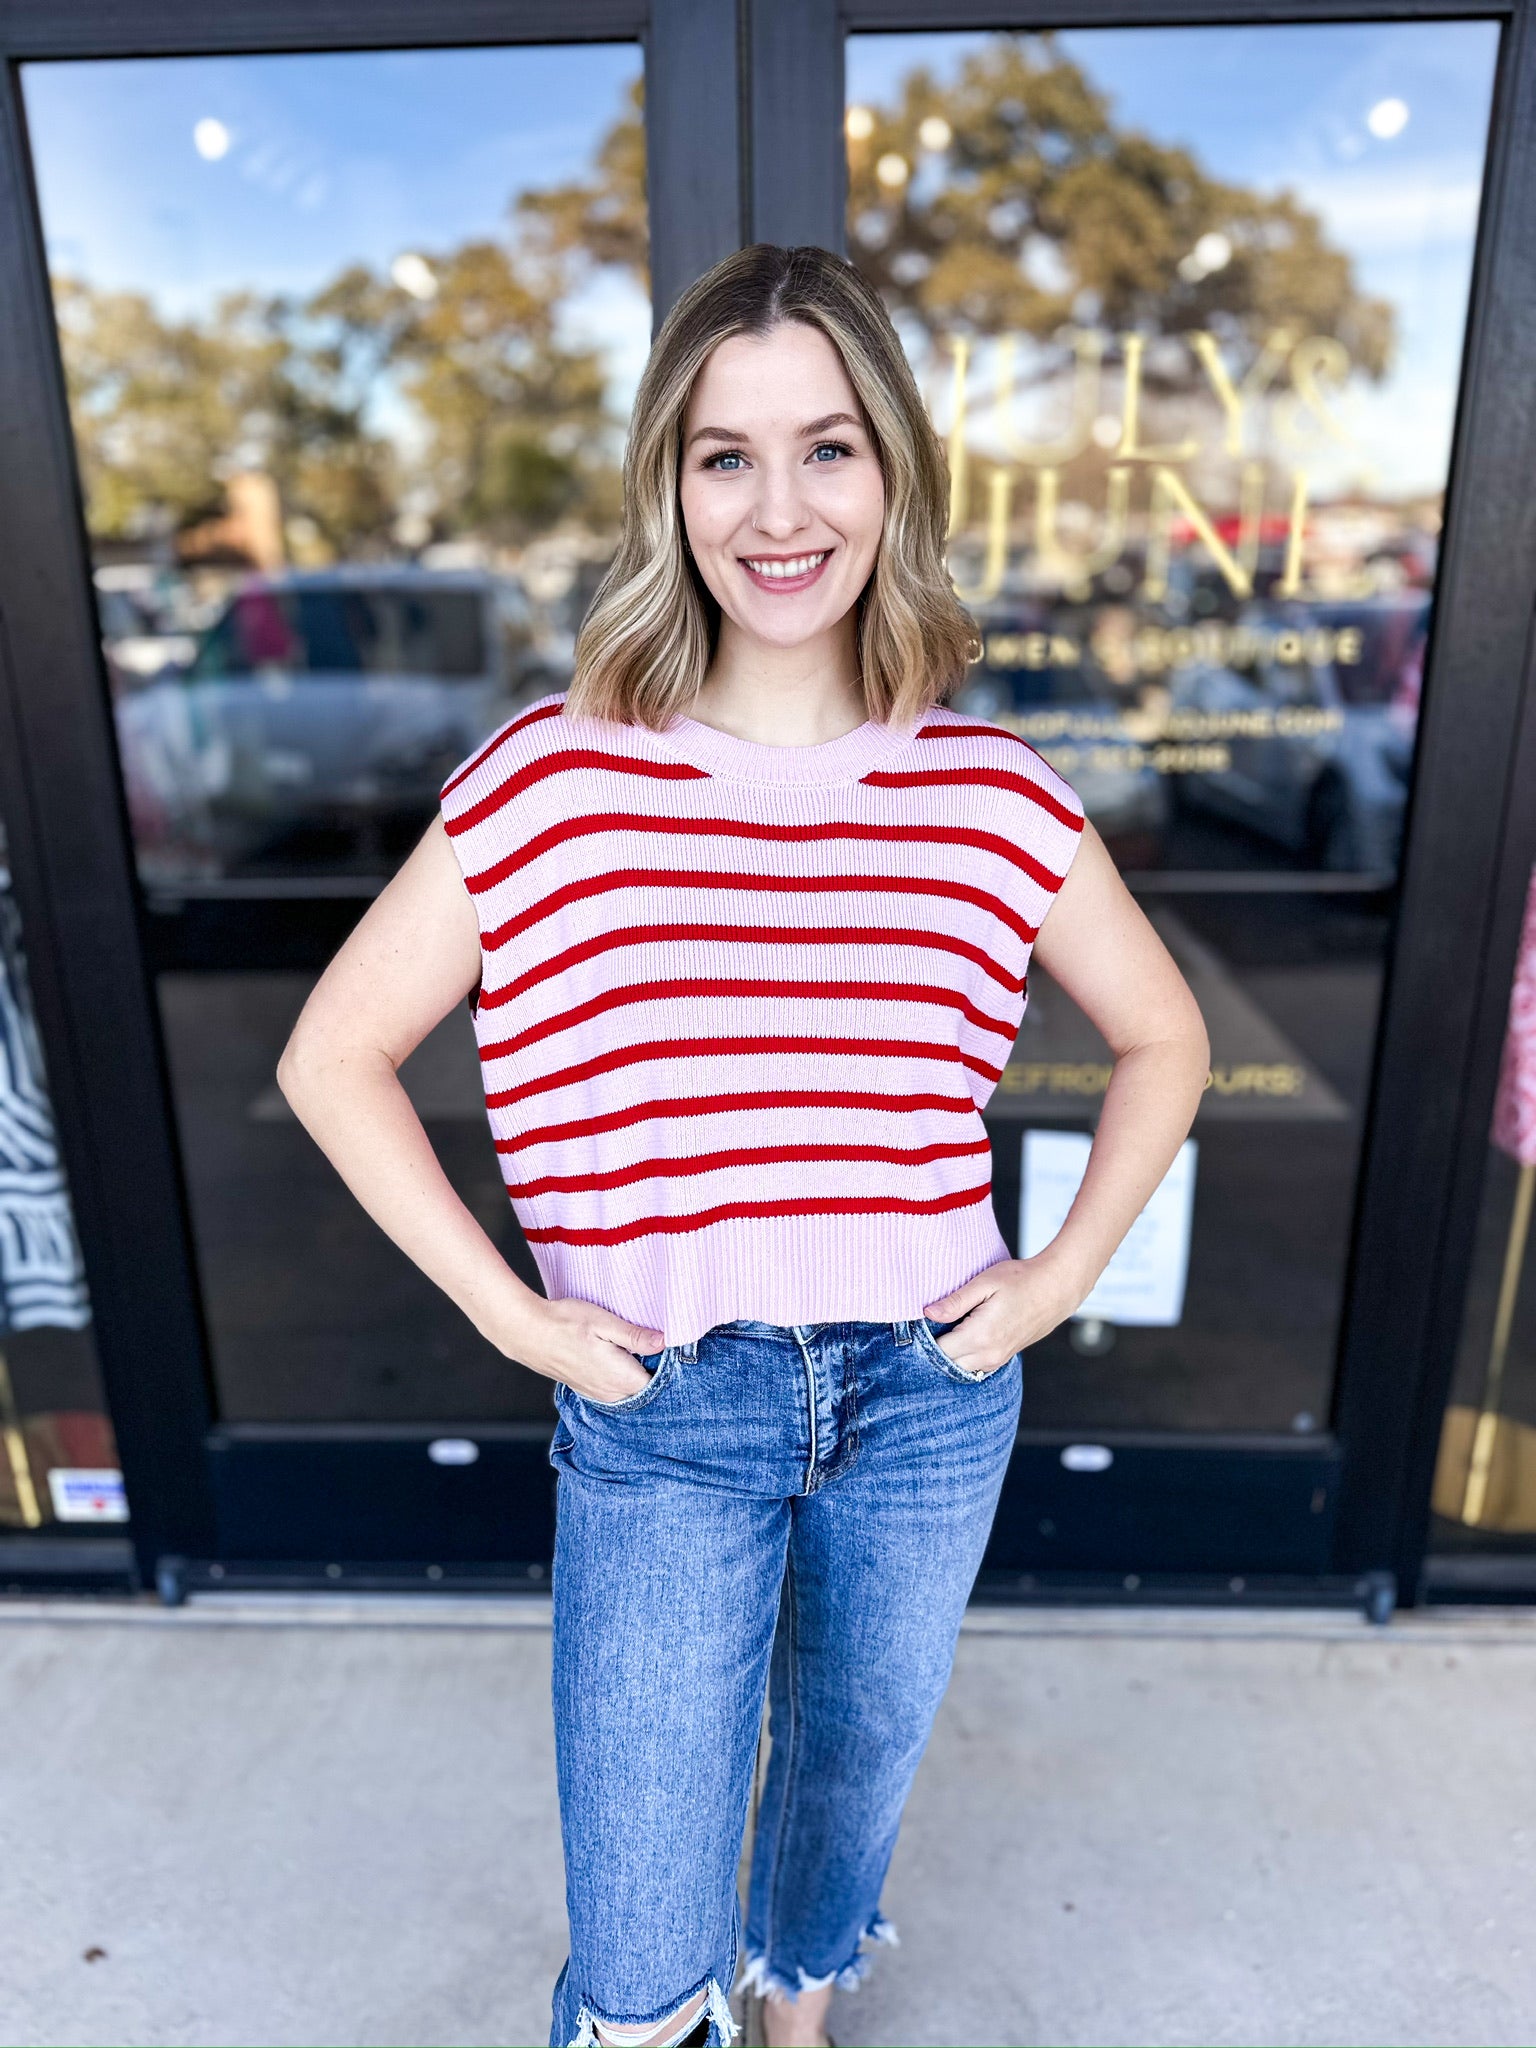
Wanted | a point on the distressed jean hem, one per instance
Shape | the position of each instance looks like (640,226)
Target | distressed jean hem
(759,1975)
(722,2023)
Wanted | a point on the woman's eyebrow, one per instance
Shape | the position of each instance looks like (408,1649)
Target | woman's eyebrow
(832,419)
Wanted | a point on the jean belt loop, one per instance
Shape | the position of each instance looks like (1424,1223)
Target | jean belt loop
(903,1332)
(687,1353)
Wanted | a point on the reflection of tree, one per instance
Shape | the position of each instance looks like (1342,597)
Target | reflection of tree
(508,409)
(603,218)
(163,409)
(1010,202)
(510,414)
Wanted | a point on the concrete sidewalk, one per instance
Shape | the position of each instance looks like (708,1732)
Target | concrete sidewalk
(335,1822)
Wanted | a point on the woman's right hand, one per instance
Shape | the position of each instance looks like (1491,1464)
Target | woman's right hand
(593,1352)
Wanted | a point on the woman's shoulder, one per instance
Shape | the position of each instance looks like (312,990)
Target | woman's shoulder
(960,740)
(526,745)
(517,740)
(516,780)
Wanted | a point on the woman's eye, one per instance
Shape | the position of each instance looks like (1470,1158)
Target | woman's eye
(837,447)
(725,455)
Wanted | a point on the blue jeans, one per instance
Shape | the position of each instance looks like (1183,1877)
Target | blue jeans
(802,1508)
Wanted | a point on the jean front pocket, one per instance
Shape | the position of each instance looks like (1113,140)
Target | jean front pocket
(928,1344)
(663,1367)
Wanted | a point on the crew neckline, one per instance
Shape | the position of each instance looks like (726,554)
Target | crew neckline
(841,760)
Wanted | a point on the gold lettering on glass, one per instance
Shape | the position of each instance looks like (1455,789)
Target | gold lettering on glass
(1130,415)
(1087,357)
(1075,569)
(1170,493)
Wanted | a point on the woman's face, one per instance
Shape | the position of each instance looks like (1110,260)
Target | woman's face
(781,493)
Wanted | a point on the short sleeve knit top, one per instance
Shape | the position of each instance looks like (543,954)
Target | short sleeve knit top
(741,1006)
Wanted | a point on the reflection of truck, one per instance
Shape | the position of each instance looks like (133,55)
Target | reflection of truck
(326,699)
(1320,744)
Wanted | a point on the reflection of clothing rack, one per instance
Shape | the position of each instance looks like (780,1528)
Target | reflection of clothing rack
(42,1276)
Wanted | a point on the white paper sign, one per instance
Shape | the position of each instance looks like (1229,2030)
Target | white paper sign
(83,1493)
(1144,1281)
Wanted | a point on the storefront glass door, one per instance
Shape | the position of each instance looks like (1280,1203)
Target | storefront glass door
(350,340)
(1188,305)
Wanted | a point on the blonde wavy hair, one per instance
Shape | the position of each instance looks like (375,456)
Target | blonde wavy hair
(649,635)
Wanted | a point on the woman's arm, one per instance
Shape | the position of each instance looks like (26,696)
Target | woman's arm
(1097,944)
(413,956)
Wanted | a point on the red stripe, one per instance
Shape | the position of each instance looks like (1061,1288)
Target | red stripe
(663,991)
(719,1048)
(978,732)
(720,1105)
(558,764)
(499,740)
(762,935)
(760,885)
(968,778)
(746,1155)
(737,828)
(807,1205)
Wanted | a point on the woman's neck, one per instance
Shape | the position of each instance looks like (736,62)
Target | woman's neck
(783,696)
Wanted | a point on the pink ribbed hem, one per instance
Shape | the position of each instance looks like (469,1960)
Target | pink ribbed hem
(781,1269)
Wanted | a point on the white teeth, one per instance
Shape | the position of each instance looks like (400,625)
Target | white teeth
(800,566)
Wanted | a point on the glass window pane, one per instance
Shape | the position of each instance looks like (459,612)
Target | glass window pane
(351,342)
(1485,1477)
(58,1460)
(1188,305)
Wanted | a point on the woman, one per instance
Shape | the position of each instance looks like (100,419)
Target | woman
(746,919)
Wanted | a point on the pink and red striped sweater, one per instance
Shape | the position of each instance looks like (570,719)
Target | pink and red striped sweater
(741,1006)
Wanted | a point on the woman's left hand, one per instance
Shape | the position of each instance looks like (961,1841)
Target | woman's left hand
(1005,1309)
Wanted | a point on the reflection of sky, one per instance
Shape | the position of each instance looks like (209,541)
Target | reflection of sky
(1272,106)
(358,156)
(351,157)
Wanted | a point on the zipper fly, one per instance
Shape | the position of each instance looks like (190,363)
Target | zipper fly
(809,1366)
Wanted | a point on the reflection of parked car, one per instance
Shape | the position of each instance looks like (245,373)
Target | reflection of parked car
(324,699)
(1320,746)
(140,641)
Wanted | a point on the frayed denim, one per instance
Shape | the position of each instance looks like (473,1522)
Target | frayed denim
(800,1511)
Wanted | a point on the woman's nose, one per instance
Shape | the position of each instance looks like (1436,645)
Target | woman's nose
(780,510)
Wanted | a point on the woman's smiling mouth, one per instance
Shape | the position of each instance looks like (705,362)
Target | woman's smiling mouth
(784,573)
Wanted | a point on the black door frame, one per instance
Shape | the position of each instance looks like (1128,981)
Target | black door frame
(744,133)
